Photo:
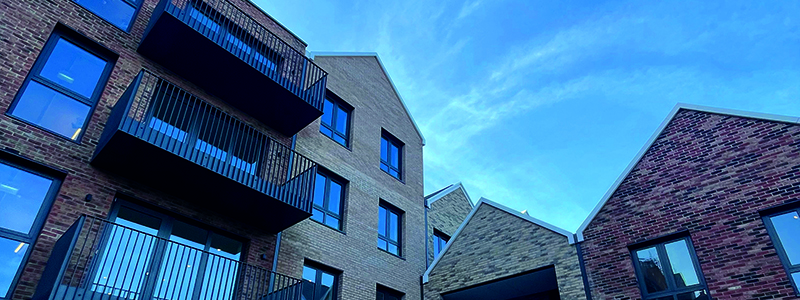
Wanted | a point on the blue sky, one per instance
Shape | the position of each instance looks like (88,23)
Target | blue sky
(541,105)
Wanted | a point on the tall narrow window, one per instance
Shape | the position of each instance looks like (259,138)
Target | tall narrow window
(25,198)
(669,271)
(62,88)
(439,241)
(384,293)
(121,13)
(391,155)
(335,119)
(319,283)
(389,228)
(783,229)
(328,195)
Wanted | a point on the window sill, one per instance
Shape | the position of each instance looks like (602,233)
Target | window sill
(390,253)
(326,226)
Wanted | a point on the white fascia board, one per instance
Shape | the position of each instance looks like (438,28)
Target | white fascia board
(657,133)
(449,190)
(383,67)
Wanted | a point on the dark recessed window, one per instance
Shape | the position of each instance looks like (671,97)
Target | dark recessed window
(118,12)
(783,228)
(389,228)
(439,241)
(25,198)
(335,119)
(319,283)
(328,195)
(62,88)
(391,155)
(669,271)
(384,293)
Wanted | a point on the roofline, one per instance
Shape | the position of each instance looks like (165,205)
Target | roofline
(385,71)
(276,22)
(556,229)
(657,133)
(447,191)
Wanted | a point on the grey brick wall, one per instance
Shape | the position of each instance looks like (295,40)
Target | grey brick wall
(360,81)
(446,214)
(496,244)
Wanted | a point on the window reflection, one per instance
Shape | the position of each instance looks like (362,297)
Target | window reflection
(118,12)
(21,197)
(11,255)
(652,270)
(787,227)
(681,263)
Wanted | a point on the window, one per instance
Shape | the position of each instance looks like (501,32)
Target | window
(118,12)
(384,293)
(194,258)
(439,241)
(391,155)
(328,195)
(669,271)
(25,198)
(389,228)
(62,88)
(335,119)
(783,228)
(319,283)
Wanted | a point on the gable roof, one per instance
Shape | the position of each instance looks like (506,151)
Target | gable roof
(675,110)
(445,191)
(385,72)
(540,223)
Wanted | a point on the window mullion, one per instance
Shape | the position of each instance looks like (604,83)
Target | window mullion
(662,254)
(62,90)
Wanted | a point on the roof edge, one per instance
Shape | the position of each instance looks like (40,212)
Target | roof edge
(445,192)
(385,72)
(657,133)
(556,229)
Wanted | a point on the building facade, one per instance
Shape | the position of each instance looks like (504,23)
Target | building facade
(446,210)
(177,149)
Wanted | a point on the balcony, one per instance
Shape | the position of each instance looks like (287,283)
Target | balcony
(100,260)
(223,50)
(161,135)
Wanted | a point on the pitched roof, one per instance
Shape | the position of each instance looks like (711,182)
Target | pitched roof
(385,72)
(553,228)
(445,191)
(675,110)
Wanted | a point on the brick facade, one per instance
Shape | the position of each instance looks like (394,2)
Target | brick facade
(709,174)
(495,244)
(362,83)
(446,213)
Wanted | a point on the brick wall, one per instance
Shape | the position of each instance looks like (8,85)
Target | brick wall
(496,244)
(709,174)
(360,81)
(25,26)
(446,214)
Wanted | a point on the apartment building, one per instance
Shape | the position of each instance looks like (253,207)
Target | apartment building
(189,149)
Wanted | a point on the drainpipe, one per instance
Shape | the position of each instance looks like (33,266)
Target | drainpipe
(583,268)
(421,289)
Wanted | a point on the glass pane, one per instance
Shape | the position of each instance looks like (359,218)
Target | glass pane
(309,274)
(384,150)
(21,197)
(787,227)
(52,110)
(381,244)
(381,221)
(334,201)
(393,226)
(394,173)
(341,120)
(796,278)
(384,167)
(74,68)
(226,247)
(181,262)
(117,12)
(308,290)
(393,249)
(436,248)
(332,222)
(327,279)
(339,139)
(317,215)
(11,255)
(319,191)
(221,271)
(395,157)
(327,112)
(203,20)
(126,255)
(326,289)
(696,295)
(682,265)
(326,131)
(651,269)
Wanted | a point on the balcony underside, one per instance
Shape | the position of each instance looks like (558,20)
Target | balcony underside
(187,52)
(142,161)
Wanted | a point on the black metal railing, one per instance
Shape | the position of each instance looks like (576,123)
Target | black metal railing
(238,33)
(98,259)
(161,113)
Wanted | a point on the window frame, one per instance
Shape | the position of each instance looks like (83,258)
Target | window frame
(778,245)
(34,74)
(320,268)
(671,291)
(38,223)
(392,141)
(338,103)
(382,289)
(439,235)
(400,214)
(329,177)
(137,6)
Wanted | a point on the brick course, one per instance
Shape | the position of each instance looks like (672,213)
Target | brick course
(446,214)
(708,174)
